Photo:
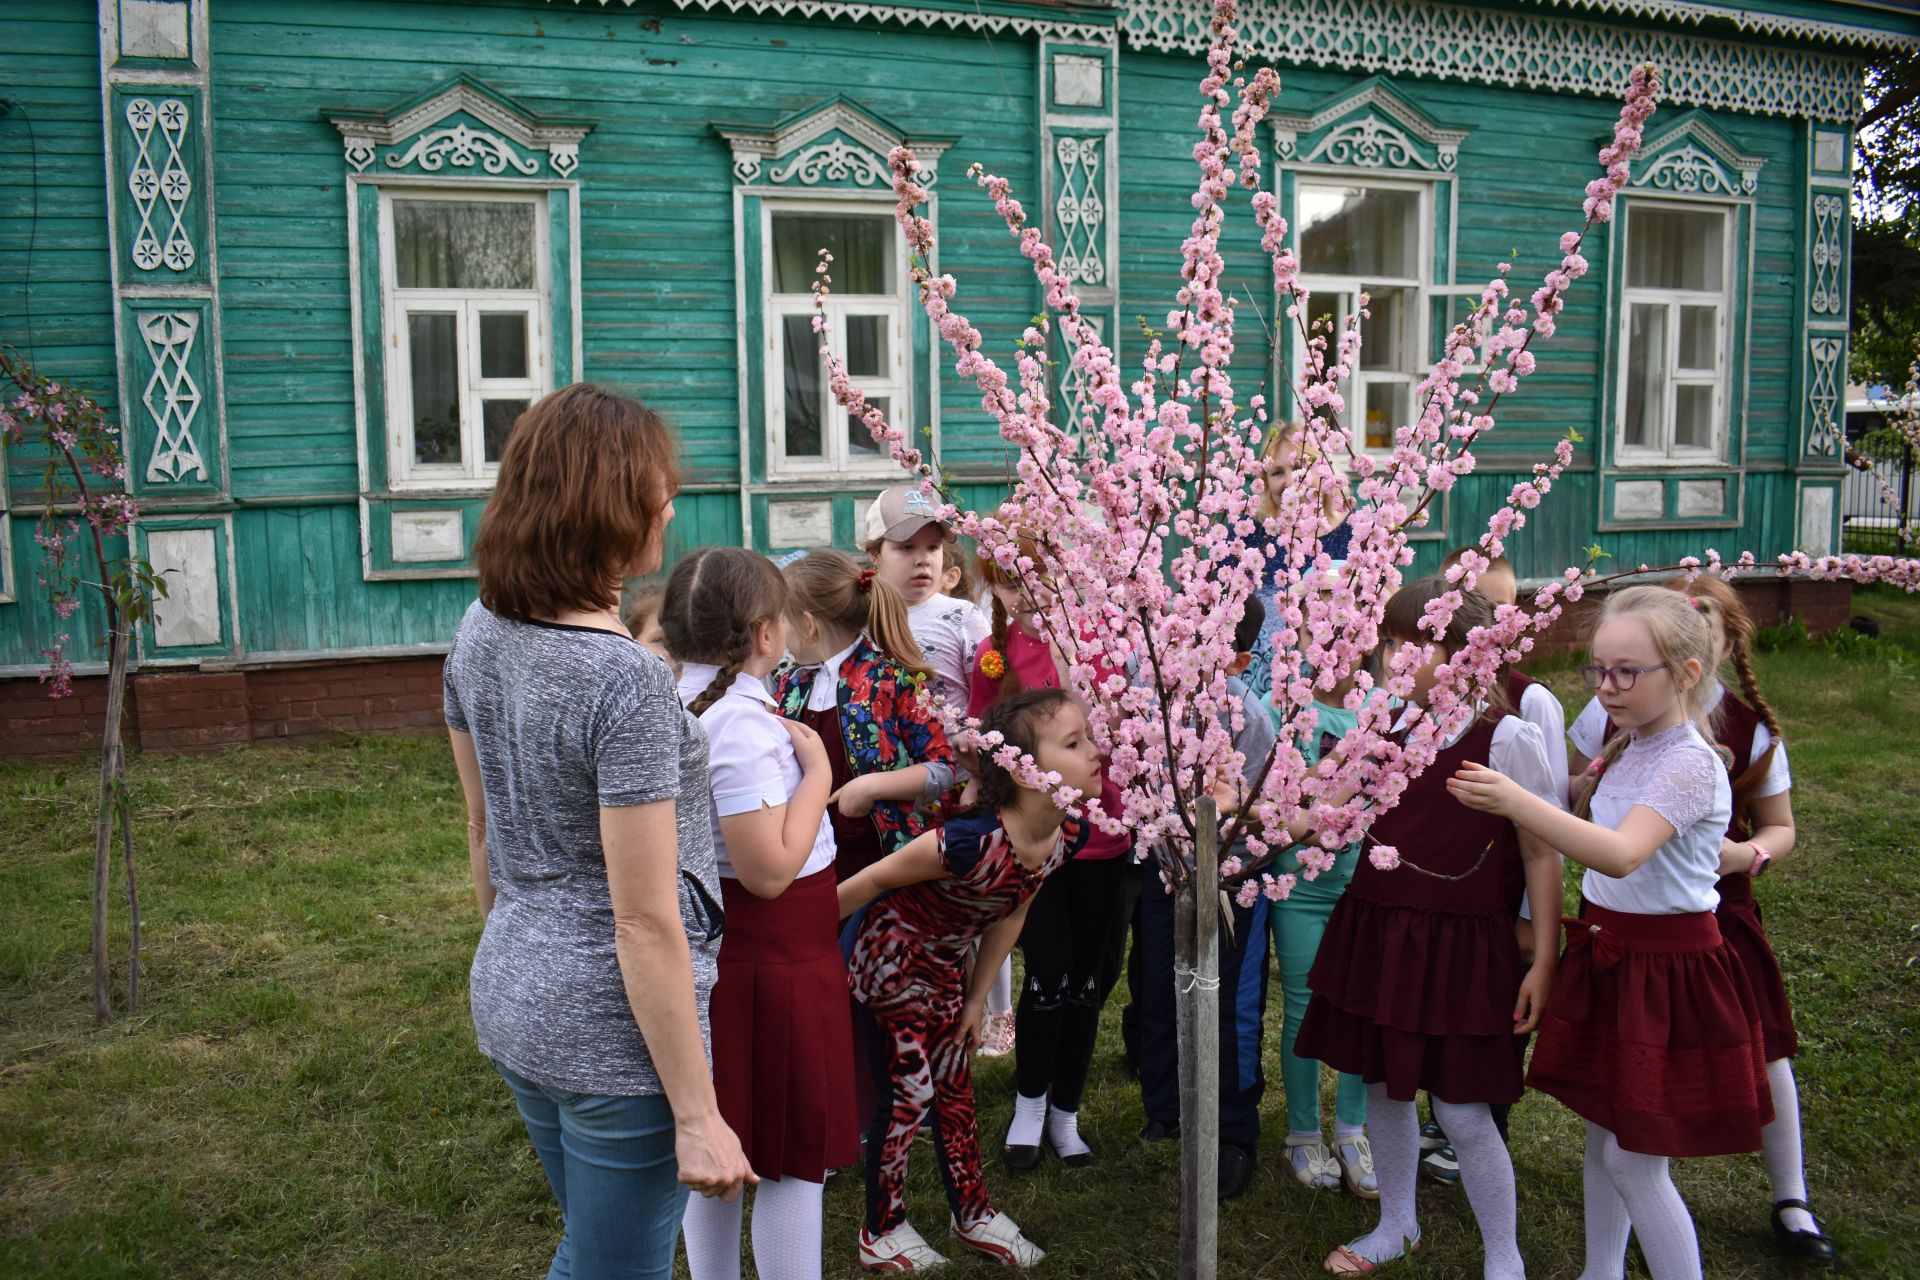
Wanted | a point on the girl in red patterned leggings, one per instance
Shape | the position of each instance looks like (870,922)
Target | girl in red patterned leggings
(970,880)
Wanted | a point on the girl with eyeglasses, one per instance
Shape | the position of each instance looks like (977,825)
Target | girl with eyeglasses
(1652,1033)
(1761,833)
(782,1027)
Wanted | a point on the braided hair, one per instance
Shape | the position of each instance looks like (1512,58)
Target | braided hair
(1710,595)
(715,598)
(994,575)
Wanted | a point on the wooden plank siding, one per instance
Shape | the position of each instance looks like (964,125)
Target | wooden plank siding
(658,315)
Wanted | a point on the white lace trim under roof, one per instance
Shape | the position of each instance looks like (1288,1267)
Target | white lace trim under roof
(1691,12)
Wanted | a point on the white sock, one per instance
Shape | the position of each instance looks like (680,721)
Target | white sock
(1029,1118)
(1786,1167)
(1063,1131)
(1607,1223)
(711,1229)
(1343,1136)
(1000,994)
(1394,1131)
(1659,1215)
(1486,1171)
(786,1229)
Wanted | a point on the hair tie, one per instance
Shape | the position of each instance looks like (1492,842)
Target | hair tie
(865,582)
(1697,603)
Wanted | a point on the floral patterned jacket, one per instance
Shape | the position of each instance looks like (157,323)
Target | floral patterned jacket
(886,723)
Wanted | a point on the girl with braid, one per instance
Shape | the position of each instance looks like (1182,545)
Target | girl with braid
(1748,741)
(782,1028)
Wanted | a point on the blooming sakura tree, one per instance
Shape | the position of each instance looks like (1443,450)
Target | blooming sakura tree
(87,507)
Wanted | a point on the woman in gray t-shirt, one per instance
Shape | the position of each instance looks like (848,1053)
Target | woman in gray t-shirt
(586,789)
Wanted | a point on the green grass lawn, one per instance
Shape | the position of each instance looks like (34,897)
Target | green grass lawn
(300,1095)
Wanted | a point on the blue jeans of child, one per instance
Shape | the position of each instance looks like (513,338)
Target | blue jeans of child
(611,1164)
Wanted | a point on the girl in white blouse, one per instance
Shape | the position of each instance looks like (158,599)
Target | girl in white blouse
(1652,1033)
(782,1027)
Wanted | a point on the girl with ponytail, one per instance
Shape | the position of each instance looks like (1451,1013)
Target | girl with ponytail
(856,679)
(782,1029)
(1760,833)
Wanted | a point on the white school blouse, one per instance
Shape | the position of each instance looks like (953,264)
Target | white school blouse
(750,760)
(1677,774)
(1539,708)
(1590,728)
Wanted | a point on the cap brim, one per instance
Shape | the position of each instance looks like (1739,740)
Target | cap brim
(901,530)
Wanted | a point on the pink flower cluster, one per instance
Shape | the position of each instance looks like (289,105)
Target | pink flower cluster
(1135,532)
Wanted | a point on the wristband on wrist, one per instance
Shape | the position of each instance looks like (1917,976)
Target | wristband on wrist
(1760,859)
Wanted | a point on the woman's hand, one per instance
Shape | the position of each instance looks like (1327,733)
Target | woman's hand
(1478,787)
(808,749)
(856,798)
(710,1158)
(1532,1002)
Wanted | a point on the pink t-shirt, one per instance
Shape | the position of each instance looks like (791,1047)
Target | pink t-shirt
(1032,662)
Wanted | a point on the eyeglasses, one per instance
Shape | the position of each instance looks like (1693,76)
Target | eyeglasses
(1623,678)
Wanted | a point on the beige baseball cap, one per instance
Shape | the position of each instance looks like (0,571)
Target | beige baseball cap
(902,511)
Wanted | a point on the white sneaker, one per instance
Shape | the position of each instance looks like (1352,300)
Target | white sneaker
(998,1238)
(900,1250)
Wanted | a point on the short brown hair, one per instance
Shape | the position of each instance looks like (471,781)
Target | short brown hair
(1407,606)
(585,479)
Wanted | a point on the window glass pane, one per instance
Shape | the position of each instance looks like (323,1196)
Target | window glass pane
(1386,333)
(1389,407)
(1350,231)
(1693,417)
(867,346)
(861,446)
(1699,337)
(861,244)
(801,372)
(1674,249)
(1646,373)
(496,423)
(435,366)
(503,344)
(463,244)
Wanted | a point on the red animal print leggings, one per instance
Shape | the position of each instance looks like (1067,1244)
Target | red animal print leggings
(919,1062)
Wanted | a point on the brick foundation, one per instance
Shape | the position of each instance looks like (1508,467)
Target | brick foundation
(201,710)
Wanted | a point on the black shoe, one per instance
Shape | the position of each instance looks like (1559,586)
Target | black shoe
(1236,1171)
(1432,1137)
(1020,1159)
(1078,1160)
(1803,1246)
(1155,1131)
(1442,1165)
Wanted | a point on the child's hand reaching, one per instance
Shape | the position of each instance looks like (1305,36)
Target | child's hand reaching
(855,800)
(1534,989)
(1478,787)
(972,1019)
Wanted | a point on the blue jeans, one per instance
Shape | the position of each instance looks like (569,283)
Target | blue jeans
(611,1164)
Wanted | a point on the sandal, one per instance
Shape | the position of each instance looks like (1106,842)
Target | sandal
(1354,1172)
(1321,1171)
(1345,1262)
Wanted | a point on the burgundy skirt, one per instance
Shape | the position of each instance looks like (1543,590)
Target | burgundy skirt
(1417,999)
(1740,925)
(1653,1033)
(783,1031)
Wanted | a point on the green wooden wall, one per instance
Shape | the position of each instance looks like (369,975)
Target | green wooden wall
(658,315)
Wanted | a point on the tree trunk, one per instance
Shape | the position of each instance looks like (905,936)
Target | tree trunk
(125,810)
(106,811)
(1196,971)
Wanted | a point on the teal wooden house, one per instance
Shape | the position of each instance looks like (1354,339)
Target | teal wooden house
(319,256)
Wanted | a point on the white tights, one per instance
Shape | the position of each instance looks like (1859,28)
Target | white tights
(786,1232)
(1630,1192)
(1486,1170)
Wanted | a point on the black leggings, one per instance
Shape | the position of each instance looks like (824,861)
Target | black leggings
(1067,942)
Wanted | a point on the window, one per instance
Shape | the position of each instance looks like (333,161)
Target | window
(866,326)
(1370,239)
(465,292)
(1673,341)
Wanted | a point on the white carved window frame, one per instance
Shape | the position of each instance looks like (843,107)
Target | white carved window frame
(1725,300)
(1418,339)
(835,459)
(397,304)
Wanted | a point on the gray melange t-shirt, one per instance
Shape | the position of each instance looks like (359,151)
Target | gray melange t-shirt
(565,720)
